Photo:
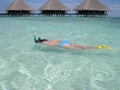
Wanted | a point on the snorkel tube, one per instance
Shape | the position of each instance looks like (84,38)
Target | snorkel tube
(35,39)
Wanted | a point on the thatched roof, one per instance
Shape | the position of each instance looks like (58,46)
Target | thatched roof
(19,5)
(92,5)
(54,5)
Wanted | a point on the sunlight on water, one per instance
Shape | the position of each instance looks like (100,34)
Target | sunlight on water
(27,66)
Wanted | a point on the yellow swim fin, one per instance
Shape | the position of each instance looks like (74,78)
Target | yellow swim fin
(104,47)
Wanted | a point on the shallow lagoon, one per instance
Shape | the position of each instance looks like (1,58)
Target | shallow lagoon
(27,66)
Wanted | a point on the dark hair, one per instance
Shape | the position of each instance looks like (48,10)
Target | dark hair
(42,40)
(39,40)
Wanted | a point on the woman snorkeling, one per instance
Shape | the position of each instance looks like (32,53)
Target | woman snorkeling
(67,44)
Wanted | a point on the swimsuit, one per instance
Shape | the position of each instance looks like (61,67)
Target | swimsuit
(62,43)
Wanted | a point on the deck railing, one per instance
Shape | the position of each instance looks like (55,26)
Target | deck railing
(40,14)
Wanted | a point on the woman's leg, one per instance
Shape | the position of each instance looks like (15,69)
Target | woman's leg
(78,46)
(83,47)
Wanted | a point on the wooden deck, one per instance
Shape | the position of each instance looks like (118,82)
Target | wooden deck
(40,14)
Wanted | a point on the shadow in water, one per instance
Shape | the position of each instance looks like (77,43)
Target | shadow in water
(44,48)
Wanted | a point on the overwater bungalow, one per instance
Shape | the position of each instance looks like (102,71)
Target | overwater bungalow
(53,7)
(92,8)
(19,8)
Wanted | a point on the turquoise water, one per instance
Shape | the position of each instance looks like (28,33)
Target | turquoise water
(27,66)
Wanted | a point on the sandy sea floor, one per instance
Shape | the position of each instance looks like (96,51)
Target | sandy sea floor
(25,65)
